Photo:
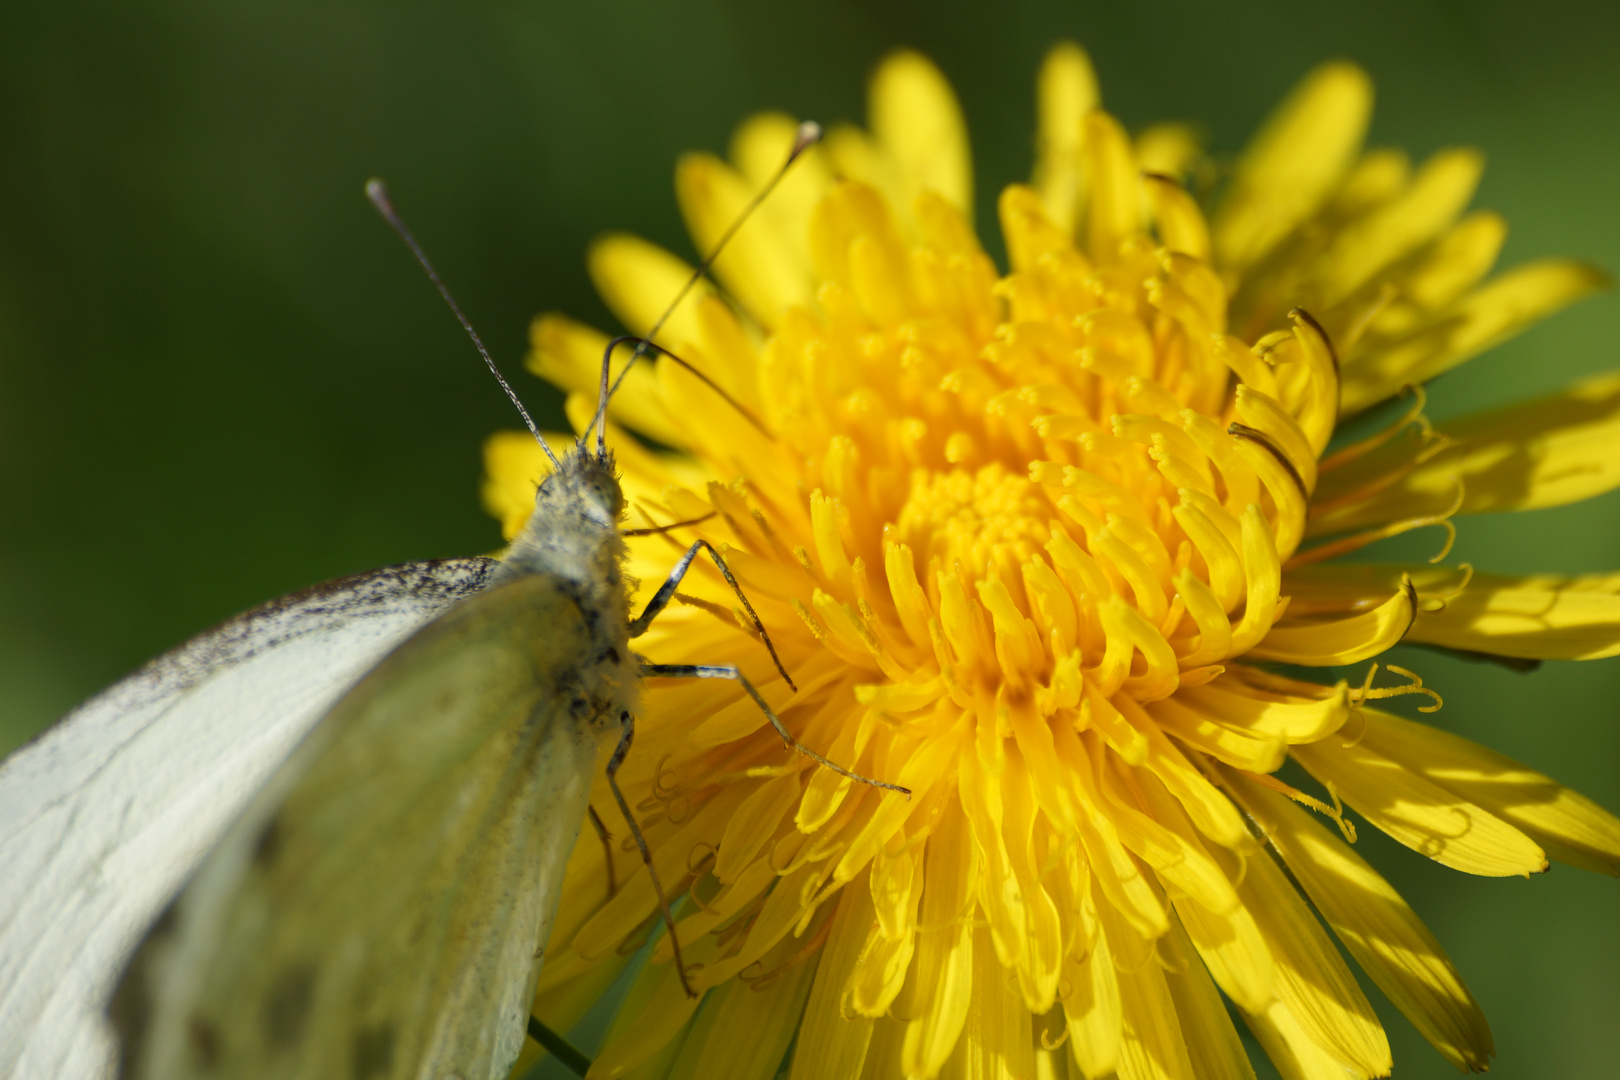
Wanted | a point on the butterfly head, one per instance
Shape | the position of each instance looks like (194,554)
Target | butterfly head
(586,483)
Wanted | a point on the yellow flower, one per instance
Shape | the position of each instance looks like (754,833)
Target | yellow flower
(1040,547)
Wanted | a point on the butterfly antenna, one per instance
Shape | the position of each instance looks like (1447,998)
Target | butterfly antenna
(377,192)
(808,135)
(643,345)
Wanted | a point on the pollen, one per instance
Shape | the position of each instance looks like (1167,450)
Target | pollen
(1035,543)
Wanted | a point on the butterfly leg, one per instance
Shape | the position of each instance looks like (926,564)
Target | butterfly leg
(727,671)
(607,847)
(559,1047)
(613,764)
(666,593)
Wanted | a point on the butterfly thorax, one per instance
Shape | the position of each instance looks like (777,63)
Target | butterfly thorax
(573,538)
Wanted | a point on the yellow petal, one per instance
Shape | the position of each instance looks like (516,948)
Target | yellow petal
(1456,262)
(757,265)
(1324,643)
(1091,1011)
(1152,1046)
(1027,227)
(914,114)
(608,927)
(1438,194)
(1202,803)
(569,355)
(997,1041)
(1387,939)
(1168,149)
(1206,1026)
(1180,223)
(564,1004)
(647,1023)
(944,967)
(1264,413)
(1253,753)
(754,824)
(768,1010)
(1548,452)
(883,1054)
(1378,176)
(1263,567)
(831,1042)
(1571,827)
(758,148)
(854,155)
(1293,164)
(1292,711)
(1542,617)
(853,213)
(1228,942)
(1425,817)
(1313,984)
(637,280)
(1115,211)
(1065,91)
(1539,617)
(1179,860)
(880,972)
(1293,1053)
(1118,879)
(1492,313)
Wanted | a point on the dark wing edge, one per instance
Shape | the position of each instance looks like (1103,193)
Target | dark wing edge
(104,814)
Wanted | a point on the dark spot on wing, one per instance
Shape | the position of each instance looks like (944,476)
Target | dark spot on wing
(166,922)
(130,1008)
(268,845)
(373,1051)
(286,1008)
(130,1012)
(202,1034)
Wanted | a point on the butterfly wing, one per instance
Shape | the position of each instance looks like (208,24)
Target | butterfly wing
(104,814)
(375,912)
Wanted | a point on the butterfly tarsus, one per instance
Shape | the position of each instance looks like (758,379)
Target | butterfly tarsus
(613,764)
(726,671)
(666,592)
(606,837)
(660,530)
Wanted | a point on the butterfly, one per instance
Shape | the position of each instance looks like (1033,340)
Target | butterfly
(327,838)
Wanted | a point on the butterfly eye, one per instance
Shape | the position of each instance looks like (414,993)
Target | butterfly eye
(611,496)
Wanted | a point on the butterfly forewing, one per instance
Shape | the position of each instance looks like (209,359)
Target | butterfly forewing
(376,911)
(105,813)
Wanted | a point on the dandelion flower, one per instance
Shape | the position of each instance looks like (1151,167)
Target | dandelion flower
(1050,548)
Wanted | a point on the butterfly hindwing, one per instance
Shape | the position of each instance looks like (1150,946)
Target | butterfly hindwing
(103,814)
(375,912)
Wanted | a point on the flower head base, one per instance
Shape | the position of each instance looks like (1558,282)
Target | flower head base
(1027,543)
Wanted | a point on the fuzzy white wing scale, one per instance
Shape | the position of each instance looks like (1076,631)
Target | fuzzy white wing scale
(104,815)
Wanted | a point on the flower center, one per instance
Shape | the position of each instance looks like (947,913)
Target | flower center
(1055,455)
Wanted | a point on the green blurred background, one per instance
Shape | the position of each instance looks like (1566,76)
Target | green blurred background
(222,379)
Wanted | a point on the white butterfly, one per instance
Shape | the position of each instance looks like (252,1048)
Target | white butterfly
(381,780)
(103,816)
